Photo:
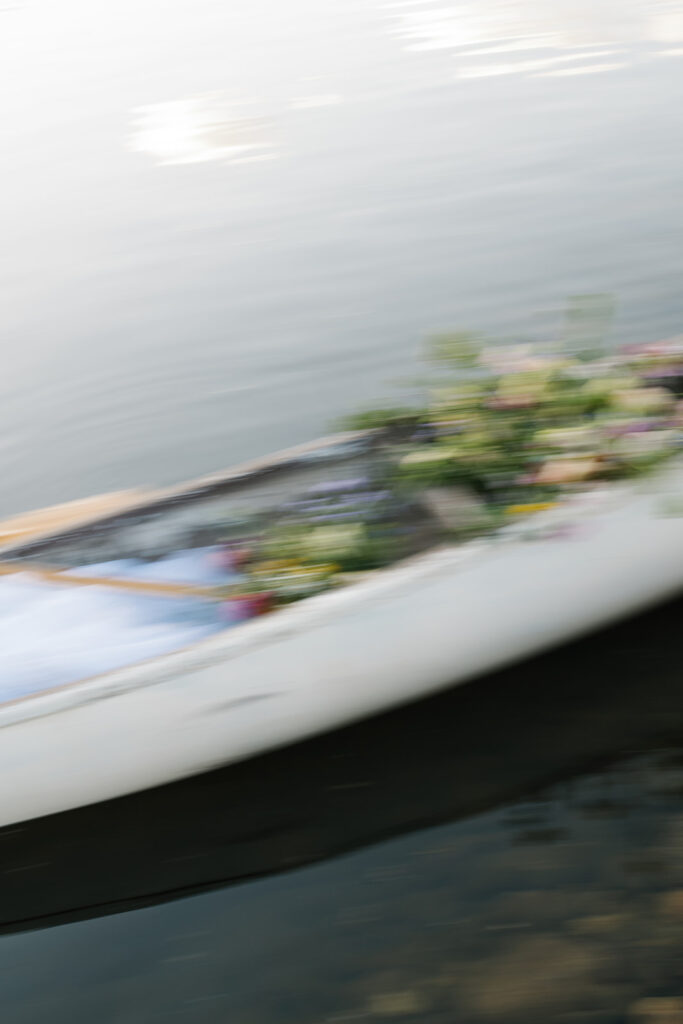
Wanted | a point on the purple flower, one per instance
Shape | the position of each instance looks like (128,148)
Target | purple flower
(332,517)
(336,486)
(663,371)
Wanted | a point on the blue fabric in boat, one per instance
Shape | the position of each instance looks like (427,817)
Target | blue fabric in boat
(51,635)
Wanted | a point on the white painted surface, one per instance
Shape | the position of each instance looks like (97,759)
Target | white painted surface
(442,619)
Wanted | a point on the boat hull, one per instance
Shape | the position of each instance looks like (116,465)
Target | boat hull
(466,751)
(441,619)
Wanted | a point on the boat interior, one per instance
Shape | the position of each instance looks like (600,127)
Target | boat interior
(99,585)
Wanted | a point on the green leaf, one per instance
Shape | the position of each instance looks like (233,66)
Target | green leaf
(588,323)
(457,348)
(373,419)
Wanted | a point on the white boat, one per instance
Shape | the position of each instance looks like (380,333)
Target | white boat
(437,619)
(472,750)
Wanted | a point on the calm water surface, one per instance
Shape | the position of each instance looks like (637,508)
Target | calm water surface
(224,225)
(565,907)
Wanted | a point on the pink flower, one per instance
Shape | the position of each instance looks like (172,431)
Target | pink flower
(246,606)
(506,359)
(231,557)
(567,471)
(512,402)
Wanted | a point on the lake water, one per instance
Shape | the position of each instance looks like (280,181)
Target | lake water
(225,225)
(567,907)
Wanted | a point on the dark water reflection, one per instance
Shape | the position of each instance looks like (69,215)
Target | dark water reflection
(568,906)
(535,871)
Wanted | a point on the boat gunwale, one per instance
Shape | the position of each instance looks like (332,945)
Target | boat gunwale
(160,500)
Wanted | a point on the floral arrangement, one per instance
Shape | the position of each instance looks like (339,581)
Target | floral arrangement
(503,431)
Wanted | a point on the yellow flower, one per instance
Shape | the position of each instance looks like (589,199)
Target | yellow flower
(523,510)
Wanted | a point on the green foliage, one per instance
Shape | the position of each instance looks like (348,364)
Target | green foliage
(377,419)
(514,427)
(428,467)
(380,546)
(638,465)
(457,349)
(588,323)
(350,547)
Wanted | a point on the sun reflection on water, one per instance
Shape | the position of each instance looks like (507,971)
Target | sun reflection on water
(198,129)
(535,31)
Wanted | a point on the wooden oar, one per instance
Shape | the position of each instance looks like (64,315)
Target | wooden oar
(54,575)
